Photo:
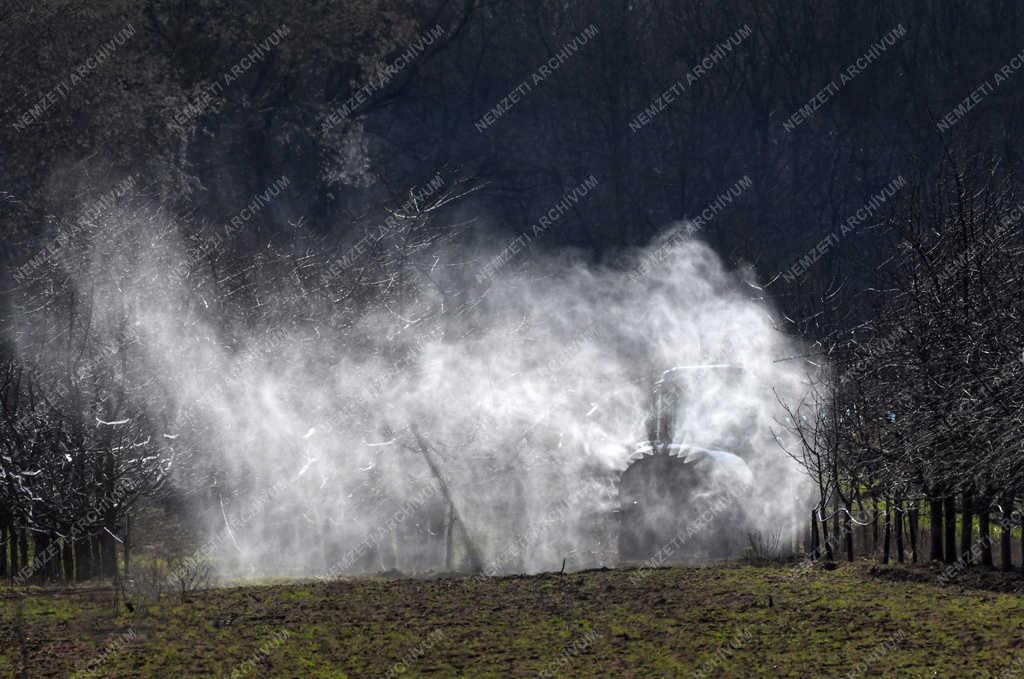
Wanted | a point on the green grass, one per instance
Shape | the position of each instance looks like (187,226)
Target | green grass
(606,623)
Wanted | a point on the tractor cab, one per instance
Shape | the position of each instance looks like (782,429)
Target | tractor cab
(680,500)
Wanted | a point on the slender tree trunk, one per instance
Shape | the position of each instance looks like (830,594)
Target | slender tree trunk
(108,556)
(83,558)
(827,541)
(935,520)
(108,546)
(12,542)
(3,546)
(67,557)
(863,528)
(798,533)
(848,535)
(966,527)
(1022,537)
(53,558)
(449,537)
(54,569)
(96,552)
(438,523)
(898,519)
(887,534)
(1005,535)
(913,521)
(128,542)
(949,513)
(835,516)
(874,525)
(807,539)
(23,546)
(815,540)
(984,534)
(42,543)
(476,563)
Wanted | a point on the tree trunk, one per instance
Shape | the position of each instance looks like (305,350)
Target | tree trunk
(966,527)
(67,557)
(864,527)
(835,516)
(449,540)
(12,543)
(128,536)
(913,523)
(1005,546)
(23,546)
(898,518)
(935,520)
(984,535)
(949,514)
(887,535)
(874,525)
(476,563)
(848,534)
(798,534)
(827,541)
(3,546)
(815,540)
(108,547)
(83,559)
(1022,538)
(807,539)
(42,565)
(108,561)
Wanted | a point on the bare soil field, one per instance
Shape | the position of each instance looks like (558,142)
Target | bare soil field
(721,621)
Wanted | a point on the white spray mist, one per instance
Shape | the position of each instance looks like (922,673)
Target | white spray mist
(316,445)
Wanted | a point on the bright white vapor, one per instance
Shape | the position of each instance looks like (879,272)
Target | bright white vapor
(530,395)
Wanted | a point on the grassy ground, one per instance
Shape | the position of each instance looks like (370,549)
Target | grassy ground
(607,623)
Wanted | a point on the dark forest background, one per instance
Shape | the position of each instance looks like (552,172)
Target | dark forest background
(575,123)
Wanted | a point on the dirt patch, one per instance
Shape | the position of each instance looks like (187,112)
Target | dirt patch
(972,577)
